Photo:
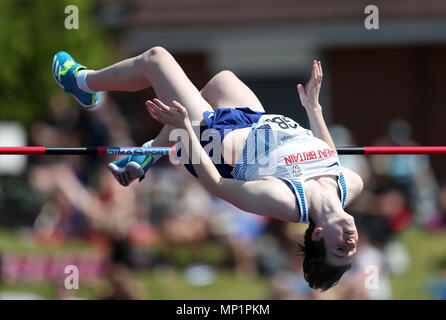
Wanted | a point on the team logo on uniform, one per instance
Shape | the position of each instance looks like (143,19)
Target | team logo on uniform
(297,171)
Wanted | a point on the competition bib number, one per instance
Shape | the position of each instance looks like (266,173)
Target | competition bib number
(281,122)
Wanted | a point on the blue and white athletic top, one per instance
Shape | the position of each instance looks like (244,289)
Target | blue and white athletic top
(278,146)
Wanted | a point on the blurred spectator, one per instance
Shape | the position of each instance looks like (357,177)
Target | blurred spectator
(118,129)
(287,279)
(121,286)
(241,230)
(439,221)
(412,173)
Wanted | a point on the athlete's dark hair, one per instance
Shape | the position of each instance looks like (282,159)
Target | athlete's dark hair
(317,271)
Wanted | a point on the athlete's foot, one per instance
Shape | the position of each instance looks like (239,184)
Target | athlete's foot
(65,69)
(130,168)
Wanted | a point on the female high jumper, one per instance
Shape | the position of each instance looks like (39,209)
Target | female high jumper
(270,165)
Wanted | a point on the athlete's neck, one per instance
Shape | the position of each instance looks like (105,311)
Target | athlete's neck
(324,202)
(329,209)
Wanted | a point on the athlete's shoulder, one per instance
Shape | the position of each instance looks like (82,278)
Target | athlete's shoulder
(282,200)
(354,183)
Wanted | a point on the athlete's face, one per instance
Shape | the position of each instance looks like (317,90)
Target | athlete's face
(340,238)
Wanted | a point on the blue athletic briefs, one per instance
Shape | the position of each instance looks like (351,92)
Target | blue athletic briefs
(221,120)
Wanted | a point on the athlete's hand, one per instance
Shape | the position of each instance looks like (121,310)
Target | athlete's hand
(176,115)
(309,96)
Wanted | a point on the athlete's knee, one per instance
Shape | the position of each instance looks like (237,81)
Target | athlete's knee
(224,76)
(219,81)
(154,55)
(217,84)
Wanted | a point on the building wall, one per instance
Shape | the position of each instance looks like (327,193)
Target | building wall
(211,13)
(373,86)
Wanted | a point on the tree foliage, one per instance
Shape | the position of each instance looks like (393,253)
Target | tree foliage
(31,32)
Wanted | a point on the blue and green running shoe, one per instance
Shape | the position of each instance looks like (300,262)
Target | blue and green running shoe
(65,69)
(130,168)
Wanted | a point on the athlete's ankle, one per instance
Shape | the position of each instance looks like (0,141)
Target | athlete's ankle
(148,144)
(81,81)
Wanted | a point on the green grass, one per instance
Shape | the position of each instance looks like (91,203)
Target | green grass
(155,286)
(428,258)
(226,286)
(14,242)
(427,252)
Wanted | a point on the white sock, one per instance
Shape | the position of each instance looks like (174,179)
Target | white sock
(155,157)
(81,80)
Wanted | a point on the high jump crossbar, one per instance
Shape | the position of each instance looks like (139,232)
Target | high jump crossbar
(104,151)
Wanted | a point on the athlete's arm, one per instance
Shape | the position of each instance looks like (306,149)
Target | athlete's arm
(354,184)
(309,97)
(264,197)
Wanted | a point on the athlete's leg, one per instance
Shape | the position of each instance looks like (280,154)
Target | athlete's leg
(122,76)
(226,90)
(162,139)
(157,68)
